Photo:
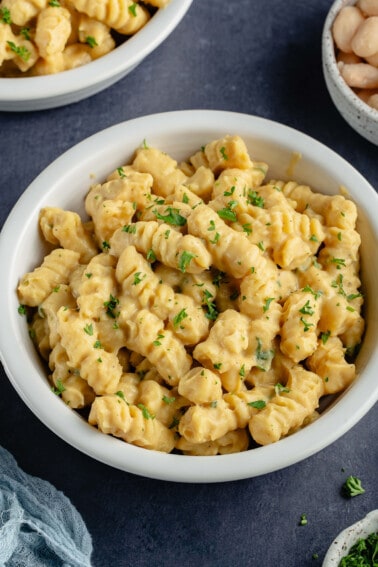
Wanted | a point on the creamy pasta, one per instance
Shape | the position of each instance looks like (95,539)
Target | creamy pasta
(41,37)
(203,308)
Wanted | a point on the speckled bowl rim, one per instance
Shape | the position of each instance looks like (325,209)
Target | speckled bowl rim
(329,58)
(341,545)
(113,64)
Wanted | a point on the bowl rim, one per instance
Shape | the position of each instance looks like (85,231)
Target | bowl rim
(329,61)
(71,427)
(124,57)
(348,537)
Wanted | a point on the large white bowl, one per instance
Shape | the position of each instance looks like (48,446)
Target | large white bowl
(50,91)
(64,184)
(361,117)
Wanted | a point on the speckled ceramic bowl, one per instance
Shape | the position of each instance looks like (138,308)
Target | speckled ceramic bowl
(358,114)
(51,91)
(341,545)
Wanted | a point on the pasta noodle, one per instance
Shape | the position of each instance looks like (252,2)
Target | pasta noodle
(40,37)
(202,308)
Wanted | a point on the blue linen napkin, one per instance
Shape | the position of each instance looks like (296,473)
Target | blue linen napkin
(39,526)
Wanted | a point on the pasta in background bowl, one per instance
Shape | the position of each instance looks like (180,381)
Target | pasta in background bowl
(180,135)
(91,58)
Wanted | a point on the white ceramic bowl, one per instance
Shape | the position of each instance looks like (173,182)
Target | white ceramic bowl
(357,113)
(50,91)
(341,545)
(64,184)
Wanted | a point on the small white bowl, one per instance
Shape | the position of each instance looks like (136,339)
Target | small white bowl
(341,545)
(51,91)
(357,113)
(65,183)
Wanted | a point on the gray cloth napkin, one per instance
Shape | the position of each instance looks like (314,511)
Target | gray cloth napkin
(39,526)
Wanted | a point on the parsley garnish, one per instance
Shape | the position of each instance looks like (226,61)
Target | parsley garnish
(110,306)
(181,315)
(280,389)
(91,41)
(307,309)
(168,400)
(223,153)
(54,3)
(306,324)
(227,214)
(97,344)
(59,388)
(130,228)
(255,199)
(145,412)
(211,312)
(258,404)
(316,294)
(5,15)
(132,9)
(105,245)
(138,278)
(352,487)
(151,257)
(325,336)
(267,303)
(21,51)
(26,33)
(88,329)
(157,341)
(173,217)
(22,309)
(185,259)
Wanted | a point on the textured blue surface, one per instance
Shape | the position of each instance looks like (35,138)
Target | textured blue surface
(254,56)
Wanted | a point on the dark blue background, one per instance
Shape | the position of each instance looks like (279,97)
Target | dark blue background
(254,56)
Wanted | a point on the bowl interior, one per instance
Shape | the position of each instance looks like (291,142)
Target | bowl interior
(64,184)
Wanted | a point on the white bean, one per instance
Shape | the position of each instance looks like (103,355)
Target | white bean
(359,75)
(373,60)
(345,26)
(369,7)
(348,57)
(365,41)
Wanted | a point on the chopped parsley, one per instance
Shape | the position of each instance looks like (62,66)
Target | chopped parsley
(91,41)
(54,3)
(111,305)
(138,277)
(258,404)
(105,245)
(227,213)
(88,329)
(26,33)
(157,341)
(151,256)
(352,487)
(133,9)
(309,289)
(5,16)
(280,389)
(21,309)
(130,228)
(20,50)
(185,259)
(181,315)
(325,336)
(255,199)
(211,310)
(121,173)
(223,153)
(306,325)
(59,388)
(168,400)
(307,309)
(146,414)
(172,217)
(267,303)
(340,263)
(303,520)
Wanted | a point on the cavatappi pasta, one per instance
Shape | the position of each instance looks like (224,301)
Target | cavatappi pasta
(41,37)
(203,308)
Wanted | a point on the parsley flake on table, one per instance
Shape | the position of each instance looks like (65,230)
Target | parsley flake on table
(352,487)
